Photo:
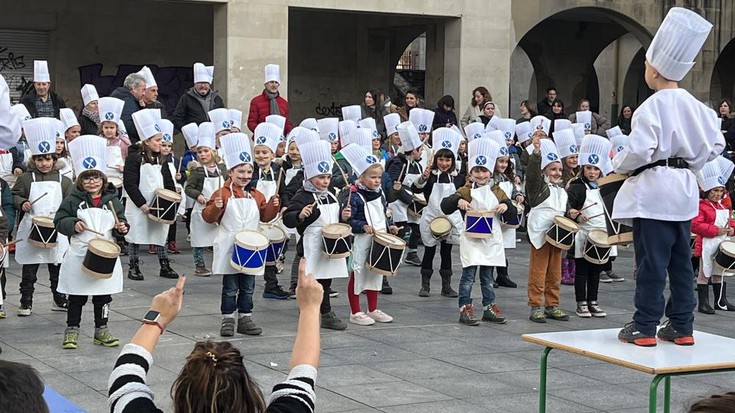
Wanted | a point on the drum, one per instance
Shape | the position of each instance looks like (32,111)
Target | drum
(561,234)
(43,232)
(440,227)
(725,258)
(478,224)
(248,254)
(117,181)
(514,222)
(386,252)
(276,242)
(617,234)
(416,207)
(337,240)
(164,206)
(101,258)
(597,249)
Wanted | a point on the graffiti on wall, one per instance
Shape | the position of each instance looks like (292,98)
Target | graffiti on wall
(17,73)
(332,111)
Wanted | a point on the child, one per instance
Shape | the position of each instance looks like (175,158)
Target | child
(87,207)
(70,130)
(393,143)
(237,206)
(7,215)
(173,163)
(547,199)
(566,145)
(437,182)
(712,226)
(475,253)
(89,118)
(659,199)
(368,216)
(201,184)
(585,203)
(329,131)
(309,210)
(220,119)
(38,193)
(110,110)
(142,176)
(189,162)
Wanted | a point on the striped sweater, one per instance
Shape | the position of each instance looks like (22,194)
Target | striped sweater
(128,391)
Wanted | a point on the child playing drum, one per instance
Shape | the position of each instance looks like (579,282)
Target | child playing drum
(237,206)
(480,253)
(173,163)
(92,210)
(37,194)
(368,216)
(71,130)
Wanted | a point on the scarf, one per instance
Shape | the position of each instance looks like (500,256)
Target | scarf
(94,116)
(310,187)
(366,189)
(274,103)
(205,101)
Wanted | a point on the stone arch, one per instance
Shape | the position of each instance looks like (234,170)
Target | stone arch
(722,83)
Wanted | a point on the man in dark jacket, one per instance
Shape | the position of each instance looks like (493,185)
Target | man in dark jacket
(544,107)
(198,100)
(150,96)
(132,94)
(40,101)
(269,102)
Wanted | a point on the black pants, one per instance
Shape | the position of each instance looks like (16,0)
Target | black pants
(188,220)
(413,237)
(326,306)
(29,278)
(101,305)
(445,252)
(586,280)
(171,233)
(3,281)
(271,279)
(608,265)
(502,271)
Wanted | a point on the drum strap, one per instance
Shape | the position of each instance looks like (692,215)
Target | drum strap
(678,163)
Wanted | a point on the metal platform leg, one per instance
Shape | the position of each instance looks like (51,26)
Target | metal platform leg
(542,381)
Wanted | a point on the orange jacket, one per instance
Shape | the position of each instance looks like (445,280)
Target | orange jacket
(212,214)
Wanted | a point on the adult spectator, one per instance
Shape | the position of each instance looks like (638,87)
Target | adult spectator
(545,105)
(527,112)
(372,107)
(599,123)
(557,112)
(479,96)
(412,100)
(626,115)
(198,100)
(21,388)
(270,101)
(89,118)
(150,96)
(40,101)
(444,115)
(131,93)
(488,111)
(728,123)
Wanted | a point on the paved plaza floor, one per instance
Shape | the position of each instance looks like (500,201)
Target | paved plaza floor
(422,362)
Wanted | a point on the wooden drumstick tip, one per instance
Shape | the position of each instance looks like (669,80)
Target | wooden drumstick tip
(37,199)
(13,242)
(590,205)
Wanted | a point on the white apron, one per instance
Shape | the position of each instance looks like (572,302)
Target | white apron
(240,214)
(289,175)
(72,280)
(364,278)
(509,234)
(204,233)
(317,262)
(114,158)
(144,230)
(580,240)
(400,208)
(68,169)
(25,253)
(179,189)
(710,246)
(267,188)
(433,209)
(483,251)
(542,216)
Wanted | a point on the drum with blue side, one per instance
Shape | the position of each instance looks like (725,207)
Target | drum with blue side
(478,224)
(515,221)
(249,252)
(276,242)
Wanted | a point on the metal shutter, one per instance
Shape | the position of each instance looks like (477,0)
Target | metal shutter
(18,50)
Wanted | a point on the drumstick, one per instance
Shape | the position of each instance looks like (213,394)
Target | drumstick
(37,199)
(13,242)
(278,183)
(155,209)
(590,205)
(595,216)
(219,182)
(403,168)
(181,161)
(94,232)
(114,213)
(344,175)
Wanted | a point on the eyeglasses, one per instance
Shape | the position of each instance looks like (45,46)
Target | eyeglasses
(91,179)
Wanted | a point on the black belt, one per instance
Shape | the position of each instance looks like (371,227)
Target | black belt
(678,163)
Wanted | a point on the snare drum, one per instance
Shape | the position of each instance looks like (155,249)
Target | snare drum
(725,258)
(117,181)
(43,232)
(337,240)
(164,206)
(478,224)
(416,207)
(101,257)
(386,252)
(277,241)
(440,227)
(514,222)
(248,254)
(617,234)
(561,234)
(597,249)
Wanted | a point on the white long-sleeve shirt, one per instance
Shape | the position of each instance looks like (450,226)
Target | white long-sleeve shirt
(9,122)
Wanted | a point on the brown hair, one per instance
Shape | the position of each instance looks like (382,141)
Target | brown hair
(717,403)
(214,380)
(21,388)
(484,92)
(88,174)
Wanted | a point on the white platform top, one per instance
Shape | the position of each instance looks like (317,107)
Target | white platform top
(710,352)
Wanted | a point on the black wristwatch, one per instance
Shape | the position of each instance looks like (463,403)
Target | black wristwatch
(154,318)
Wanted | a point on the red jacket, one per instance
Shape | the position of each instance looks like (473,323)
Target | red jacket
(704,224)
(260,107)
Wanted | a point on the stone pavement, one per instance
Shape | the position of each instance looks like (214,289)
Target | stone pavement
(422,362)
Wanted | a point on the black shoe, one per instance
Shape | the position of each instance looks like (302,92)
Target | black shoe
(703,305)
(505,282)
(166,270)
(60,303)
(413,259)
(134,273)
(124,249)
(276,294)
(332,293)
(387,289)
(629,334)
(668,333)
(721,302)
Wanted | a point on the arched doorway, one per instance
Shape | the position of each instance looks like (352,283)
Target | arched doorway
(722,84)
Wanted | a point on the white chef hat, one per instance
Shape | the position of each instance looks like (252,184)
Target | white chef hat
(205,136)
(146,123)
(422,119)
(68,117)
(150,81)
(445,138)
(410,139)
(482,152)
(524,131)
(272,73)
(352,112)
(40,71)
(363,137)
(303,136)
(726,167)
(712,174)
(310,123)
(236,147)
(59,129)
(203,73)
(236,118)
(579,132)
(167,131)
(549,153)
(220,118)
(88,152)
(121,128)
(346,127)
(498,136)
(21,112)
(41,135)
(191,134)
(474,130)
(585,118)
(541,123)
(89,94)
(359,158)
(369,124)
(677,42)
(110,109)
(561,124)
(317,158)
(391,121)
(266,134)
(566,143)
(328,129)
(618,143)
(614,131)
(595,151)
(277,120)
(505,125)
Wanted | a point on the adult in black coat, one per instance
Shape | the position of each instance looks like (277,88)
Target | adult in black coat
(544,106)
(132,94)
(444,115)
(29,99)
(192,104)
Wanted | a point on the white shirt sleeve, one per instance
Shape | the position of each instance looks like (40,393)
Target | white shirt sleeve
(9,122)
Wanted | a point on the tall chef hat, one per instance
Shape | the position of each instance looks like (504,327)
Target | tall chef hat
(498,136)
(68,117)
(220,118)
(317,158)
(579,132)
(595,151)
(391,121)
(363,137)
(614,131)
(40,71)
(346,127)
(167,131)
(561,124)
(410,139)
(482,152)
(714,173)
(110,109)
(541,123)
(566,143)
(41,135)
(618,143)
(328,129)
(310,123)
(203,73)
(677,42)
(352,112)
(272,73)
(266,134)
(205,135)
(236,118)
(236,147)
(585,118)
(549,153)
(89,94)
(121,128)
(445,138)
(150,81)
(359,158)
(88,152)
(191,134)
(726,166)
(21,111)
(369,124)
(524,131)
(474,131)
(146,123)
(507,126)
(304,136)
(277,120)
(59,129)
(422,119)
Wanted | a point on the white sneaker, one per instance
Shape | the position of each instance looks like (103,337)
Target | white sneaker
(361,319)
(380,316)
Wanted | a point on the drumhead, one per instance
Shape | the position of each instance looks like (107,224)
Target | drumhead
(610,179)
(728,248)
(251,239)
(104,247)
(337,230)
(420,199)
(168,194)
(478,213)
(440,225)
(566,223)
(389,240)
(272,232)
(43,221)
(598,237)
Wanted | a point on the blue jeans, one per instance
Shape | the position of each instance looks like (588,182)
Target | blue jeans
(486,285)
(237,293)
(198,253)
